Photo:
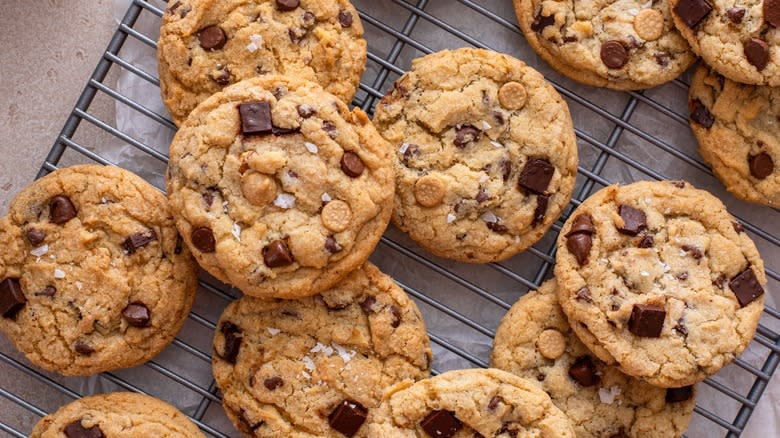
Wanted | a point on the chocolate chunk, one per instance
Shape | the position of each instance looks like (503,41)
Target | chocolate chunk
(464,134)
(541,22)
(506,169)
(541,209)
(272,383)
(536,175)
(691,12)
(255,118)
(614,54)
(35,237)
(277,131)
(662,58)
(493,404)
(746,287)
(139,240)
(771,12)
(582,224)
(693,251)
(700,114)
(634,220)
(682,276)
(223,76)
(330,129)
(680,327)
(76,430)
(647,320)
(352,165)
(579,245)
(212,38)
(137,314)
(276,254)
(396,312)
(584,295)
(306,111)
(332,245)
(570,39)
(646,242)
(287,5)
(232,345)
(347,418)
(47,291)
(367,304)
(482,196)
(736,14)
(497,227)
(738,227)
(761,165)
(12,298)
(757,53)
(441,424)
(674,395)
(584,372)
(345,19)
(82,347)
(61,209)
(203,239)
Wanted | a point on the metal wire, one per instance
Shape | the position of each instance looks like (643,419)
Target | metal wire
(384,65)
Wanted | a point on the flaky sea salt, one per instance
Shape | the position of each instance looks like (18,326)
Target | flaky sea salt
(237,231)
(311,147)
(79,285)
(58,273)
(308,363)
(326,197)
(255,42)
(644,273)
(285,200)
(273,331)
(322,348)
(346,355)
(489,217)
(451,218)
(608,395)
(483,178)
(40,251)
(404,148)
(486,125)
(496,144)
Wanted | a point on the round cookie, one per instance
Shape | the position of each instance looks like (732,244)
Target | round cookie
(658,278)
(736,127)
(320,365)
(535,341)
(737,39)
(278,188)
(207,44)
(470,403)
(485,154)
(93,274)
(623,45)
(116,415)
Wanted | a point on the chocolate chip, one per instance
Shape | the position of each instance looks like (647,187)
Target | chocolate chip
(614,54)
(541,22)
(634,220)
(584,295)
(35,237)
(482,196)
(499,117)
(352,165)
(738,227)
(203,239)
(497,227)
(12,298)
(276,254)
(646,242)
(306,111)
(272,383)
(691,12)
(674,395)
(82,347)
(582,224)
(76,430)
(396,312)
(662,58)
(541,209)
(584,372)
(61,209)
(232,345)
(47,291)
(693,251)
(441,424)
(347,418)
(536,175)
(330,129)
(332,245)
(287,5)
(746,287)
(761,165)
(680,327)
(296,35)
(579,245)
(137,314)
(506,169)
(345,19)
(700,114)
(771,11)
(647,320)
(757,53)
(223,76)
(719,281)
(212,38)
(570,39)
(493,404)
(139,240)
(682,276)
(255,118)
(736,14)
(464,134)
(367,304)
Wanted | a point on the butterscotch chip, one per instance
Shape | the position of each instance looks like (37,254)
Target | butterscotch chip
(429,191)
(257,188)
(336,216)
(512,95)
(551,344)
(649,24)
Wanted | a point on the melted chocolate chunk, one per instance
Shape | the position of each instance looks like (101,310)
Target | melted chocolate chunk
(647,320)
(694,251)
(12,298)
(662,58)
(276,254)
(736,14)
(738,227)
(137,314)
(771,11)
(287,5)
(757,53)
(332,245)
(680,327)
(541,22)
(613,54)
(76,430)
(584,372)
(232,345)
(506,169)
(674,395)
(139,240)
(746,287)
(692,12)
(352,165)
(464,134)
(35,237)
(396,312)
(203,239)
(582,224)
(634,220)
(541,209)
(306,111)
(346,19)
(61,209)
(536,175)
(367,304)
(579,245)
(441,424)
(493,404)
(222,77)
(82,347)
(255,118)
(646,242)
(347,418)
(584,295)
(700,114)
(272,383)
(212,38)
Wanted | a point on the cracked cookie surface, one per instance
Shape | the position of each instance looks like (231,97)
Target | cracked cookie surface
(320,365)
(278,188)
(535,341)
(736,126)
(623,44)
(117,415)
(207,44)
(485,154)
(469,403)
(658,278)
(93,276)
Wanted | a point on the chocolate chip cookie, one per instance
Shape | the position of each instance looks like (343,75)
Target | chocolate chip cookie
(93,275)
(624,45)
(206,45)
(736,126)
(738,39)
(485,154)
(535,341)
(278,188)
(116,415)
(658,278)
(470,403)
(318,366)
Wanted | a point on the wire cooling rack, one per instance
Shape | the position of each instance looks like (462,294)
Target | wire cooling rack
(622,137)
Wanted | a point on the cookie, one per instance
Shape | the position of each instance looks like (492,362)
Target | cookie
(278,188)
(736,127)
(658,278)
(116,415)
(318,366)
(470,403)
(206,45)
(623,45)
(485,154)
(93,275)
(738,40)
(535,341)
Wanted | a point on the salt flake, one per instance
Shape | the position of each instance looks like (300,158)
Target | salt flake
(644,273)
(322,348)
(326,197)
(237,231)
(58,273)
(496,144)
(608,395)
(451,218)
(273,331)
(489,217)
(311,147)
(255,42)
(346,355)
(308,363)
(40,251)
(486,125)
(285,200)
(79,285)
(404,148)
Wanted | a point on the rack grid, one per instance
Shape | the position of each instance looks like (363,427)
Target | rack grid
(622,137)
